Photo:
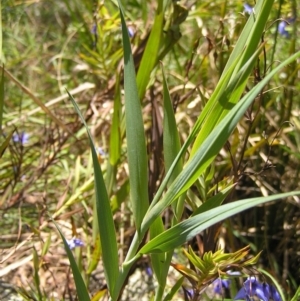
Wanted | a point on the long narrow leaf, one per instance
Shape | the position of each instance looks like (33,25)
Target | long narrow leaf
(203,157)
(209,149)
(171,143)
(182,151)
(222,102)
(1,37)
(158,260)
(244,54)
(136,144)
(5,143)
(104,214)
(214,201)
(1,94)
(115,134)
(174,289)
(297,295)
(149,58)
(81,288)
(186,230)
(171,146)
(251,34)
(115,141)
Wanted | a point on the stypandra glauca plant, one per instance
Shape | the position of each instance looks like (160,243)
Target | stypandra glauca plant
(184,165)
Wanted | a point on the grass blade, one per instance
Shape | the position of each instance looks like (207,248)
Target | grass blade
(222,101)
(136,144)
(115,134)
(5,143)
(37,101)
(171,143)
(171,146)
(104,216)
(251,34)
(214,201)
(200,161)
(1,97)
(174,290)
(1,38)
(186,230)
(115,141)
(81,288)
(243,57)
(206,153)
(149,58)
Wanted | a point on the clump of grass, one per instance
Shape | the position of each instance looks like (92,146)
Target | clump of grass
(164,157)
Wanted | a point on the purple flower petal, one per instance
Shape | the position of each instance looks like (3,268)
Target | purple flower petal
(101,152)
(149,271)
(219,284)
(248,9)
(94,29)
(75,242)
(252,288)
(282,29)
(190,292)
(130,32)
(22,138)
(274,294)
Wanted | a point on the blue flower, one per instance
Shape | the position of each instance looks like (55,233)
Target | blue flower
(272,292)
(94,29)
(219,284)
(282,30)
(130,31)
(264,292)
(75,242)
(282,27)
(248,9)
(22,138)
(101,152)
(189,293)
(149,271)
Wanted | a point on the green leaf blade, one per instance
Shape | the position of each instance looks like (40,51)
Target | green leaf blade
(209,149)
(104,216)
(81,288)
(149,59)
(136,143)
(186,230)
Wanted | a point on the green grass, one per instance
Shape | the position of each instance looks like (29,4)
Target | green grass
(193,113)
